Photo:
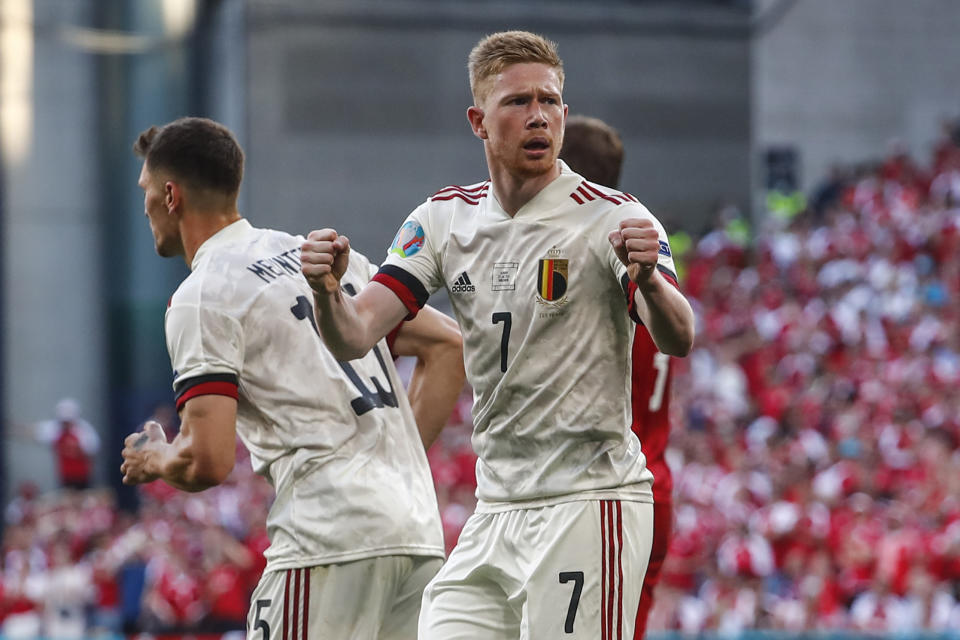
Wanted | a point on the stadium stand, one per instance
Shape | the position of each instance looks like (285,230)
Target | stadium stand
(815,448)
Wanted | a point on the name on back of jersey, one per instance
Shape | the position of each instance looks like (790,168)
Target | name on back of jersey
(284,264)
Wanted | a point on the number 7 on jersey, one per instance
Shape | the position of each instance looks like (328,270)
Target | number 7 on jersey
(507,320)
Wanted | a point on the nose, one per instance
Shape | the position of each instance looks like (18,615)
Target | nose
(536,119)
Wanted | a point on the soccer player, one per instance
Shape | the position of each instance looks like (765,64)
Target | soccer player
(594,149)
(544,271)
(354,530)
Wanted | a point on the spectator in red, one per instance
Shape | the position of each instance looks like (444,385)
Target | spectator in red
(593,149)
(226,561)
(74,441)
(173,599)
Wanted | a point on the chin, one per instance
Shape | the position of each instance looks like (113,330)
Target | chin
(538,168)
(166,250)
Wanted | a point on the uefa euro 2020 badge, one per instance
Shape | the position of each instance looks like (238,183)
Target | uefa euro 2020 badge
(409,239)
(552,278)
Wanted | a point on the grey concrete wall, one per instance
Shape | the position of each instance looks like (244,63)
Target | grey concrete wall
(842,79)
(53,343)
(357,112)
(83,292)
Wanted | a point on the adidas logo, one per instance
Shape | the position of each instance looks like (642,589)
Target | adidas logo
(463,284)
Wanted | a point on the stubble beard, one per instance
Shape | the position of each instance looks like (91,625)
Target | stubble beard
(534,168)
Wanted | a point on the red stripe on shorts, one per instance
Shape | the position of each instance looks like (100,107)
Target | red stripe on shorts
(296,603)
(306,601)
(619,572)
(611,551)
(286,599)
(603,572)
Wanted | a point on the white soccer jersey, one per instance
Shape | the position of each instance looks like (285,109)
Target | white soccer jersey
(540,298)
(337,441)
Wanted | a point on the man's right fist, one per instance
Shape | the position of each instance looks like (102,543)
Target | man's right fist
(323,260)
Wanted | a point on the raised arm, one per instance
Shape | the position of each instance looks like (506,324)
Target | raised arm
(350,326)
(199,457)
(662,308)
(438,376)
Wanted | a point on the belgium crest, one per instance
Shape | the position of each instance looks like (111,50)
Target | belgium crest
(552,278)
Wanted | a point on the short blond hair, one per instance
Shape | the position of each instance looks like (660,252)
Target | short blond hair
(500,50)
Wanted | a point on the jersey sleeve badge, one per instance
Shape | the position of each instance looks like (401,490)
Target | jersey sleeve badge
(409,239)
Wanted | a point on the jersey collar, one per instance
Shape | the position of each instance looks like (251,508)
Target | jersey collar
(550,197)
(227,235)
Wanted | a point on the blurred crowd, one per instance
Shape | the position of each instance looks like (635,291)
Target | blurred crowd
(815,445)
(817,422)
(75,566)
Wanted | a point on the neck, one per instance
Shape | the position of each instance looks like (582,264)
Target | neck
(196,227)
(514,190)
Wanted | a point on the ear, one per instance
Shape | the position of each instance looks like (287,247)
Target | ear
(475,116)
(173,196)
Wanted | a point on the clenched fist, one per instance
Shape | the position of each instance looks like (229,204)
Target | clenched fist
(323,260)
(637,244)
(140,453)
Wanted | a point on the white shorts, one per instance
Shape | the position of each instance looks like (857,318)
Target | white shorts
(572,570)
(370,599)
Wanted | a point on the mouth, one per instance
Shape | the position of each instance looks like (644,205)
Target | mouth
(537,146)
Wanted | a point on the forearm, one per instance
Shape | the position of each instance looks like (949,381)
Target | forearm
(434,388)
(667,316)
(199,457)
(340,326)
(179,466)
(352,325)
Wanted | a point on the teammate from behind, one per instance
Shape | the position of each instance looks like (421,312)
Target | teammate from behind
(593,149)
(354,529)
(549,269)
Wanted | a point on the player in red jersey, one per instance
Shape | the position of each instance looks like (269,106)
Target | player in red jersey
(594,150)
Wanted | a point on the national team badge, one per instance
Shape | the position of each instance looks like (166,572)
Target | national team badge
(552,278)
(409,239)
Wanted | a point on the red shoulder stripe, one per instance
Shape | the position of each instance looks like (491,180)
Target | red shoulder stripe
(601,194)
(455,195)
(474,192)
